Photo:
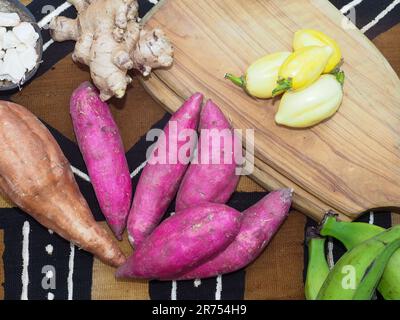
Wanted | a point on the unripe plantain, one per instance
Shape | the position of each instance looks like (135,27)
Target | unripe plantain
(352,234)
(362,267)
(317,269)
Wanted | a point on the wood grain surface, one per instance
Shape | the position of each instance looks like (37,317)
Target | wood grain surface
(349,163)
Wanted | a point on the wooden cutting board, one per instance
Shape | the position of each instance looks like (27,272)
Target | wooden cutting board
(350,163)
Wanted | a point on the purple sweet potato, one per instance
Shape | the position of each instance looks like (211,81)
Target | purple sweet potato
(260,222)
(213,177)
(183,241)
(160,180)
(102,149)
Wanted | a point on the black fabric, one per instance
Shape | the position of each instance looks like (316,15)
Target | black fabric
(367,11)
(12,221)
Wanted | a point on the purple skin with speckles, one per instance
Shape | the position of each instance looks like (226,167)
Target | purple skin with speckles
(207,181)
(103,151)
(183,241)
(159,182)
(259,224)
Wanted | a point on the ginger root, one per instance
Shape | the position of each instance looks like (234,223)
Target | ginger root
(110,40)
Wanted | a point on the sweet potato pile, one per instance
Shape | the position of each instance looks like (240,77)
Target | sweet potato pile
(202,239)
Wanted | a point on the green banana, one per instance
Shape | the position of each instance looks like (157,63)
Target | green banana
(357,274)
(317,269)
(352,234)
(369,283)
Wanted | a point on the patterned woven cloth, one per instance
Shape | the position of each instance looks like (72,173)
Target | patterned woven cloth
(37,264)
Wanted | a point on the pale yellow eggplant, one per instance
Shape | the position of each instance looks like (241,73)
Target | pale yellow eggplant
(310,106)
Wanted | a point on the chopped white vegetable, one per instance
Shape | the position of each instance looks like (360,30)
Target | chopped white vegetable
(5,77)
(10,40)
(26,34)
(12,68)
(17,48)
(21,47)
(28,58)
(9,19)
(2,33)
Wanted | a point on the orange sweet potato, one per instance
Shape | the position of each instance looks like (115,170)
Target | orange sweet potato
(37,177)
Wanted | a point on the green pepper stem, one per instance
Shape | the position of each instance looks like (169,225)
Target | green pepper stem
(239,81)
(340,76)
(283,86)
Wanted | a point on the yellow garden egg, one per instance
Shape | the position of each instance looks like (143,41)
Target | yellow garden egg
(310,106)
(308,37)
